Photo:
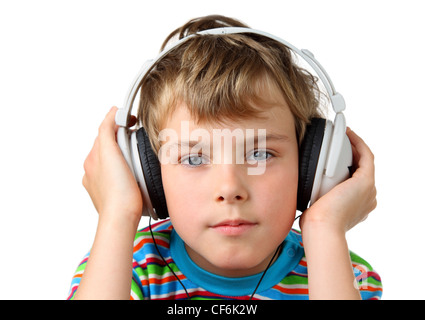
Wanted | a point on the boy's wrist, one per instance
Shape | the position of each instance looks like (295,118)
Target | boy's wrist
(120,221)
(313,223)
(321,231)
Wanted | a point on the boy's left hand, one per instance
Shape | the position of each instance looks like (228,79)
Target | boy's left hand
(351,201)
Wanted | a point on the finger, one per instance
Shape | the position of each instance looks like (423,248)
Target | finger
(84,181)
(358,143)
(108,124)
(362,155)
(89,164)
(108,128)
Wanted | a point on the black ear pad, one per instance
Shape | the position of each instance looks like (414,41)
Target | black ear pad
(308,159)
(152,173)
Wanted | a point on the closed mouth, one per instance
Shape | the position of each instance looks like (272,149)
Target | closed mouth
(233,227)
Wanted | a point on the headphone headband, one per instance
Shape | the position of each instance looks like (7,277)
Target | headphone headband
(337,101)
(325,159)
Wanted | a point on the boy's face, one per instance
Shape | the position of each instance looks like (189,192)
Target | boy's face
(231,220)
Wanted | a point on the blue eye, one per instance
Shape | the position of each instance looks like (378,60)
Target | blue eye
(194,160)
(258,155)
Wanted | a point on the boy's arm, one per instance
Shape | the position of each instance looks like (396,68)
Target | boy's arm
(325,223)
(330,274)
(117,198)
(109,267)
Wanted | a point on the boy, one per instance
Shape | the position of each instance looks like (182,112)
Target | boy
(229,234)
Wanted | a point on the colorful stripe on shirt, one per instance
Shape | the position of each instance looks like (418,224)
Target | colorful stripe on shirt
(153,280)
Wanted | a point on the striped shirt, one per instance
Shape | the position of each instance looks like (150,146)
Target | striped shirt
(285,279)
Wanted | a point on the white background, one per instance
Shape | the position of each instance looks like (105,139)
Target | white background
(63,64)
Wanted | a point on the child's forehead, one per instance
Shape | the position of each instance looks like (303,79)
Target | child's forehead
(272,118)
(265,101)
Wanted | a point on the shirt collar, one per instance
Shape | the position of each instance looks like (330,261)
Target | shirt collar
(291,254)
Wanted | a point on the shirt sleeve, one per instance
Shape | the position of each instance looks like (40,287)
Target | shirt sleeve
(367,280)
(77,277)
(135,294)
(136,286)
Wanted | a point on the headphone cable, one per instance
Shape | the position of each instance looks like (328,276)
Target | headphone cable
(267,268)
(172,271)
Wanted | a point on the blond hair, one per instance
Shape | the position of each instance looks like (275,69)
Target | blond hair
(222,77)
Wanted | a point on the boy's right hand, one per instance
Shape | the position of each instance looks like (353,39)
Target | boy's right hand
(108,179)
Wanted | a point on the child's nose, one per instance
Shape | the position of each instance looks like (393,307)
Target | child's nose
(229,184)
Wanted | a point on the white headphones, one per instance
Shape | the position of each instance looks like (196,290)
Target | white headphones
(325,154)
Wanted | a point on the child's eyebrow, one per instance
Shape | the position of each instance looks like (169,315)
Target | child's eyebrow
(272,137)
(189,144)
(201,144)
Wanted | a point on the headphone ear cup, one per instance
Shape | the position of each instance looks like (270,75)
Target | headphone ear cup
(152,174)
(308,160)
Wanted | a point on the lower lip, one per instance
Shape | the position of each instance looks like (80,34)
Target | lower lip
(233,230)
